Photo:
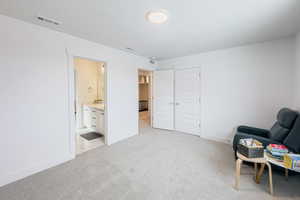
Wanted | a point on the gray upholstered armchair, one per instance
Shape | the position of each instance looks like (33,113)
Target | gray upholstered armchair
(287,121)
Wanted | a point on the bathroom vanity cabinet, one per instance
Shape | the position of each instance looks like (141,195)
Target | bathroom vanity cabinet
(93,117)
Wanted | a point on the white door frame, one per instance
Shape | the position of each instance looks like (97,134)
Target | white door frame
(72,98)
(150,89)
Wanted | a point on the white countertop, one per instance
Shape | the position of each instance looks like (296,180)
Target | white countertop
(99,106)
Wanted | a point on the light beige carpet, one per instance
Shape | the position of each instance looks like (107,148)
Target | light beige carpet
(156,165)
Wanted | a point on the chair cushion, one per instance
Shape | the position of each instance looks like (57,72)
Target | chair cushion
(278,133)
(292,141)
(286,117)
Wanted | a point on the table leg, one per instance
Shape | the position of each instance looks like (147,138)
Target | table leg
(238,173)
(270,178)
(260,172)
(286,173)
(255,170)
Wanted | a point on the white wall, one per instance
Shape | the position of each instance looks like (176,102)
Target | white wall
(242,85)
(296,99)
(34,99)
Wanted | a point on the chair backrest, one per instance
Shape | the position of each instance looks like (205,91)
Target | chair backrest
(285,121)
(292,141)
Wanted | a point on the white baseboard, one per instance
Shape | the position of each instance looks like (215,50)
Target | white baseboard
(217,139)
(14,176)
(121,139)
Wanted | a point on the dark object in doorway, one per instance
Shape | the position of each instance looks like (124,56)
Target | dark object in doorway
(91,135)
(143,105)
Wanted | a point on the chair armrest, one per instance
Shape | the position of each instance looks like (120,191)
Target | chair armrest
(253,131)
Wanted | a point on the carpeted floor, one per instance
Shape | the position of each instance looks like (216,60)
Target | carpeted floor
(155,165)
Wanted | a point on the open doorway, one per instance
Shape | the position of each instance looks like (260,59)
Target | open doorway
(89,104)
(145,98)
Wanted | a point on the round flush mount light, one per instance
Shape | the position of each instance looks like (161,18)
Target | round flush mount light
(157,16)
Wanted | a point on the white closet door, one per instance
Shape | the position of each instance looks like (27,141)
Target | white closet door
(163,99)
(187,101)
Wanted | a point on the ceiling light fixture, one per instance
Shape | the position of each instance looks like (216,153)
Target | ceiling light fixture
(157,16)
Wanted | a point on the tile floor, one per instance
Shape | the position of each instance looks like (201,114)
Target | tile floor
(83,145)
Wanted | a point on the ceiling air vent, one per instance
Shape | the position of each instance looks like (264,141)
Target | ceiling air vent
(129,49)
(48,20)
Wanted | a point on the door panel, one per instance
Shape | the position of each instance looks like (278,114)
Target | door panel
(163,99)
(187,101)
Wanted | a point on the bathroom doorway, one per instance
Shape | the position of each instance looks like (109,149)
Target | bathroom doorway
(145,98)
(89,82)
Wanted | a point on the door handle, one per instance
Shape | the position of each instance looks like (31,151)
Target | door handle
(177,104)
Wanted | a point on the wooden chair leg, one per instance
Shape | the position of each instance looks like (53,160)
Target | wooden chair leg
(260,172)
(270,178)
(238,173)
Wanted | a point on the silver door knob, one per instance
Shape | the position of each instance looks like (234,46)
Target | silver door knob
(177,104)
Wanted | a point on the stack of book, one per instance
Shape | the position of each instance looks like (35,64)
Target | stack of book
(276,151)
(292,161)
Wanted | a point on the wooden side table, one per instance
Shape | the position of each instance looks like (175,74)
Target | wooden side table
(257,175)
